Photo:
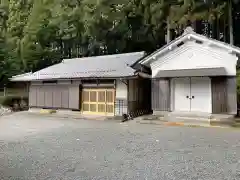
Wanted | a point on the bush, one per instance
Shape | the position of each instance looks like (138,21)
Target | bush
(16,102)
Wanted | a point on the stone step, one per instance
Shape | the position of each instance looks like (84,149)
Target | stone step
(236,125)
(191,115)
(199,119)
(187,119)
(223,119)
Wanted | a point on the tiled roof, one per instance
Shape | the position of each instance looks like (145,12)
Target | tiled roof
(22,77)
(89,67)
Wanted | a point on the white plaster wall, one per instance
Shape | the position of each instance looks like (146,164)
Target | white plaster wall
(121,98)
(192,55)
(121,90)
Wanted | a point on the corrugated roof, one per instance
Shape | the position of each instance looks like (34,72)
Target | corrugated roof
(109,66)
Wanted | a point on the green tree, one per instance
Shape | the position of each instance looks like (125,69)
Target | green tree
(17,19)
(38,33)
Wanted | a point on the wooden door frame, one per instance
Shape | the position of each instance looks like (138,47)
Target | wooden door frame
(97,90)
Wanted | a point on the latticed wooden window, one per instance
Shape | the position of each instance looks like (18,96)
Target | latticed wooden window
(93,96)
(110,96)
(100,101)
(86,96)
(101,96)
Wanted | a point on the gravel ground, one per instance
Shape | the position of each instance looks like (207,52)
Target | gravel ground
(61,149)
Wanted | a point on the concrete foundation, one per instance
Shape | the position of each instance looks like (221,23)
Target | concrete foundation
(189,118)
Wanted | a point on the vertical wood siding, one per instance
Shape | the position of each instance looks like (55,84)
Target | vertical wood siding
(54,96)
(32,96)
(65,98)
(132,90)
(40,96)
(48,96)
(232,95)
(161,94)
(219,94)
(132,95)
(57,97)
(74,97)
(139,95)
(224,95)
(80,97)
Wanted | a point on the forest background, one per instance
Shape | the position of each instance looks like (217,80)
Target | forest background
(37,33)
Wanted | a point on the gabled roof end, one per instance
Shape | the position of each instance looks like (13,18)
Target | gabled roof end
(189,34)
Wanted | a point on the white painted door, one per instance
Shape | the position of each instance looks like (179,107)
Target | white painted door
(181,94)
(201,94)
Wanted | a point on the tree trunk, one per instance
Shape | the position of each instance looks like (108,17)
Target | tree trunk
(230,20)
(168,36)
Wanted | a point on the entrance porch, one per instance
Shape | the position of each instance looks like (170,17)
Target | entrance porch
(193,76)
(208,95)
(194,100)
